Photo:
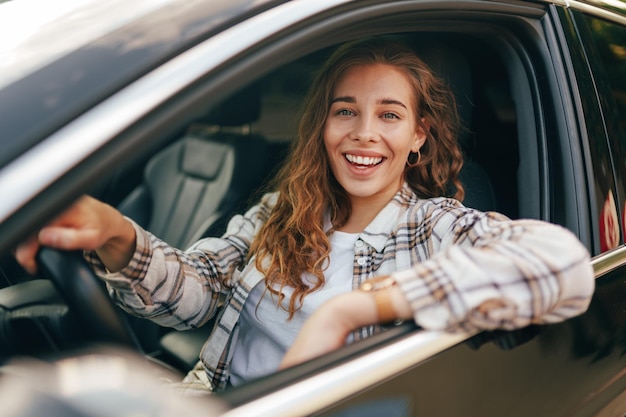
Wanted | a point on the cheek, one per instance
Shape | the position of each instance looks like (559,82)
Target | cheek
(400,131)
(401,141)
(330,136)
(328,146)
(325,138)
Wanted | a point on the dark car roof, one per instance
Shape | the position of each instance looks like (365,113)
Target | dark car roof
(53,68)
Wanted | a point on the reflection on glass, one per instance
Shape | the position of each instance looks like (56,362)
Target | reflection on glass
(609,224)
(608,59)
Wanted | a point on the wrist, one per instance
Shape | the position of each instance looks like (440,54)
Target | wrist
(390,302)
(119,247)
(351,311)
(380,290)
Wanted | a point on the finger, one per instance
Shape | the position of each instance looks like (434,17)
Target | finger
(25,255)
(69,238)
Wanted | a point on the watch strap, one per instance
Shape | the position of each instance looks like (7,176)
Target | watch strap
(384,306)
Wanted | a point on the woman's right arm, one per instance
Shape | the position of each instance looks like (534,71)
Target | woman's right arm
(183,289)
(145,275)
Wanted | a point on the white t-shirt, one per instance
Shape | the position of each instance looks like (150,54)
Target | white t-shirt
(264,331)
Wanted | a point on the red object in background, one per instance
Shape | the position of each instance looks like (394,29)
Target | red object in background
(609,224)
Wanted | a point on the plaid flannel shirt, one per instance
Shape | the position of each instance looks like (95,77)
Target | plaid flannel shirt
(446,258)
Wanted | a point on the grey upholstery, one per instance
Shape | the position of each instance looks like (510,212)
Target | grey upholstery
(192,187)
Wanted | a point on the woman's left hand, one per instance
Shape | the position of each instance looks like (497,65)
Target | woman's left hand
(327,329)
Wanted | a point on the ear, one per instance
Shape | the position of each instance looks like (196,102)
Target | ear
(420,135)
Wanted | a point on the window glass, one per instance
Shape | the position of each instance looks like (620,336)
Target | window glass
(606,49)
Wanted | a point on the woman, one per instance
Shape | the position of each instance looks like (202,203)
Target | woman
(358,206)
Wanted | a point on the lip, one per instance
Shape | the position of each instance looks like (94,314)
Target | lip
(363,153)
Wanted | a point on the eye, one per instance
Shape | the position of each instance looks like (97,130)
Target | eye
(344,112)
(390,116)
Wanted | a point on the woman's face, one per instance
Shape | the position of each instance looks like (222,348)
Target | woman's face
(370,130)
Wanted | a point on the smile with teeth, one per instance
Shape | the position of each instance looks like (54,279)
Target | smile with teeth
(363,160)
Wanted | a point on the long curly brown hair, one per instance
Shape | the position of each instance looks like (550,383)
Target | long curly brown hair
(294,238)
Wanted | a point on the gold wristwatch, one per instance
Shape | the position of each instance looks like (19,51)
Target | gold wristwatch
(384,307)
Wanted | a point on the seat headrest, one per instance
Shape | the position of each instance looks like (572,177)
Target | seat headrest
(242,108)
(451,65)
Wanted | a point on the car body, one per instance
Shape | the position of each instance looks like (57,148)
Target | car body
(92,92)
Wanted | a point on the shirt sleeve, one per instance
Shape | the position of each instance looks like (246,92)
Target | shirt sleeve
(183,289)
(521,272)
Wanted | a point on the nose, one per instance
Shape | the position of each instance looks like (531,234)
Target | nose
(365,129)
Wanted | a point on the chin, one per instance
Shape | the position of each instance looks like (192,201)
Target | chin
(363,190)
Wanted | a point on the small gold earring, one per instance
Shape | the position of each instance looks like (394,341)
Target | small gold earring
(414,159)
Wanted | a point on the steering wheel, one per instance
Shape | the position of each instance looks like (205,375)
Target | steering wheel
(85,294)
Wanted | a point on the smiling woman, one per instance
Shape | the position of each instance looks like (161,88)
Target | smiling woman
(351,205)
(177,115)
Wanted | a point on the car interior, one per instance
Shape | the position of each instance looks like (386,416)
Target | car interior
(222,161)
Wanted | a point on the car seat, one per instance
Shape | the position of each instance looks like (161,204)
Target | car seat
(192,187)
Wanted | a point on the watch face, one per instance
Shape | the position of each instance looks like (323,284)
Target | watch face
(377,283)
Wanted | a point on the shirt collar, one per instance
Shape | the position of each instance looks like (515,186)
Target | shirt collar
(376,234)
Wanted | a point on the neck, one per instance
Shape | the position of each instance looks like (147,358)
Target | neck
(364,210)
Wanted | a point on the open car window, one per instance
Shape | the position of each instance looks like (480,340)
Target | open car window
(216,160)
(211,158)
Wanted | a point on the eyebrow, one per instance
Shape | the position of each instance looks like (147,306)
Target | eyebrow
(350,99)
(343,99)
